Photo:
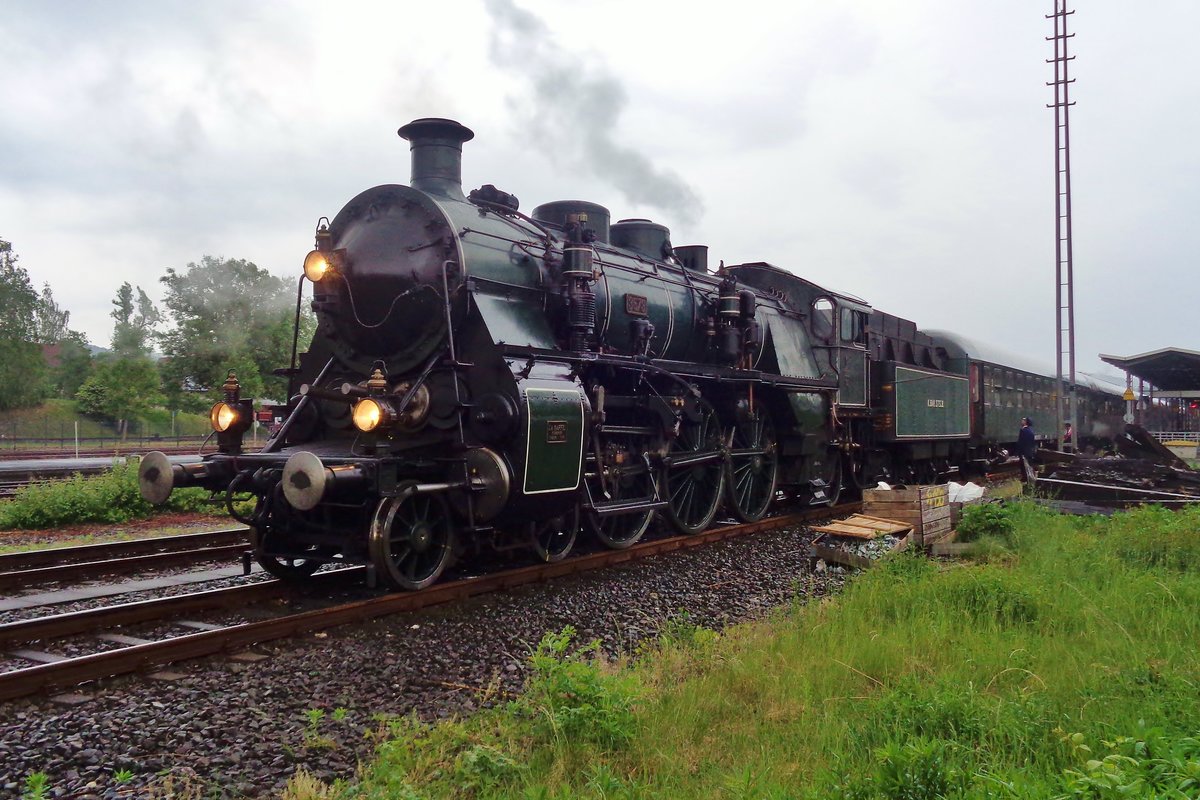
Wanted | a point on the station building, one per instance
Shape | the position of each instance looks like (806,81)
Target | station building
(1166,400)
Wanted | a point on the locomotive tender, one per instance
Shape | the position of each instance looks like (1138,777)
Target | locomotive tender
(485,379)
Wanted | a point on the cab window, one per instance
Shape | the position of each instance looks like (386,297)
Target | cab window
(854,327)
(823,318)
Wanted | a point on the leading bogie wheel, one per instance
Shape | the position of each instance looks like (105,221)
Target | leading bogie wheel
(291,568)
(552,539)
(411,539)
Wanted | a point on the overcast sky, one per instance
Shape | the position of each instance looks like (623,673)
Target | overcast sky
(902,152)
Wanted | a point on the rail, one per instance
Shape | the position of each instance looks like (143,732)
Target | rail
(81,669)
(54,564)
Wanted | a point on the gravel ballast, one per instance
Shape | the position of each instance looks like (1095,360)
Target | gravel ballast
(241,727)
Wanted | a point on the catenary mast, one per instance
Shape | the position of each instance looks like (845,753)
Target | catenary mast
(1064,278)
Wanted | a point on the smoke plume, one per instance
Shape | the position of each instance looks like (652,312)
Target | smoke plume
(575,110)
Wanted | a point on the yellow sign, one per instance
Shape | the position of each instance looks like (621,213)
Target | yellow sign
(1129,394)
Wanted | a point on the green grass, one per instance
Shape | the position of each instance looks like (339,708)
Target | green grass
(1061,664)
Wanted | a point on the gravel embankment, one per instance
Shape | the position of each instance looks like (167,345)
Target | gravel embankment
(232,728)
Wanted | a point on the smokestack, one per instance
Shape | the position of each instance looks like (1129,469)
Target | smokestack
(436,146)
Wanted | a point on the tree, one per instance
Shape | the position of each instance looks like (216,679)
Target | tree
(18,300)
(135,321)
(120,390)
(22,368)
(74,364)
(49,321)
(226,314)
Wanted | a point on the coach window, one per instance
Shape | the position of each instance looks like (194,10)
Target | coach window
(823,318)
(854,327)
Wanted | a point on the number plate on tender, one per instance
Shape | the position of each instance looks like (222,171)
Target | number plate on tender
(636,305)
(556,431)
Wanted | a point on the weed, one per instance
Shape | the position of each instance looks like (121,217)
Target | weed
(482,767)
(123,776)
(681,631)
(339,714)
(571,700)
(312,732)
(37,786)
(916,770)
(1151,765)
(908,566)
(985,519)
(303,785)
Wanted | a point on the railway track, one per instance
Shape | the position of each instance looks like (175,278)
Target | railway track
(56,564)
(204,639)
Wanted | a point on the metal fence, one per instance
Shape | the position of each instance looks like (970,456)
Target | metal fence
(1176,436)
(86,436)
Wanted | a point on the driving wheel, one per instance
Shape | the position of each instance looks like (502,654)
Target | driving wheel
(753,466)
(695,472)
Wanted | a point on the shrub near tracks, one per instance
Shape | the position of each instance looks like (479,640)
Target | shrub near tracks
(108,497)
(1061,665)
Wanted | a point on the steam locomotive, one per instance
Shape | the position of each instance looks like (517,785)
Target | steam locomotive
(482,379)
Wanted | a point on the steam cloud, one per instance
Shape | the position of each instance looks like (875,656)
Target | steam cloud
(575,112)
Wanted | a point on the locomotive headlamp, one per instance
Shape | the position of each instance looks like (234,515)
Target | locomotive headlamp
(317,265)
(324,261)
(231,417)
(223,416)
(372,413)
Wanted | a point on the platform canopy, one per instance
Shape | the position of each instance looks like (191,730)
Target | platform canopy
(1172,371)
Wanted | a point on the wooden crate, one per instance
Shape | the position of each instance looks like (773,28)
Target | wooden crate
(835,555)
(926,508)
(935,540)
(934,496)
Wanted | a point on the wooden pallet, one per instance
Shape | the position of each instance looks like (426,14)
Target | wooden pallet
(862,526)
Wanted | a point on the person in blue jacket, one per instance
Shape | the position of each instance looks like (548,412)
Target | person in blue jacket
(1026,447)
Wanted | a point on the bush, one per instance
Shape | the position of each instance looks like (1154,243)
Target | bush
(110,497)
(986,519)
(1152,765)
